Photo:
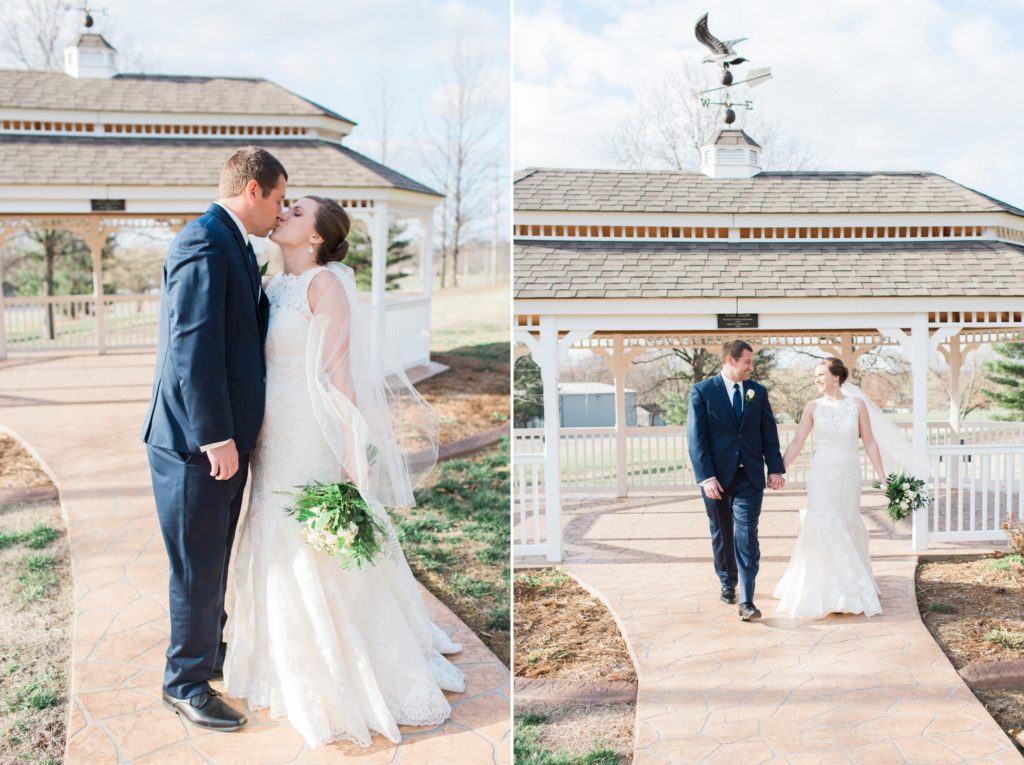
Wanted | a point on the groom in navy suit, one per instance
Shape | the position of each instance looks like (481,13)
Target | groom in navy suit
(205,414)
(731,437)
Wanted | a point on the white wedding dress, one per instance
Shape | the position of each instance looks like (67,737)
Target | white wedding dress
(342,653)
(830,569)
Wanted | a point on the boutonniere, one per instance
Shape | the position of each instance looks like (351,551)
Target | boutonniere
(750,395)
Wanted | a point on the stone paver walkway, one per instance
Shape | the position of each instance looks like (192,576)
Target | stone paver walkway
(82,415)
(845,689)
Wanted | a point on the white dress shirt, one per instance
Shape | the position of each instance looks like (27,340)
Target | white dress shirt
(245,236)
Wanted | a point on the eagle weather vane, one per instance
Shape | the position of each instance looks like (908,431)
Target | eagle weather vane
(724,54)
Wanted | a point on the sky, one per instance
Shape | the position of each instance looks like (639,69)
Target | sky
(930,85)
(343,55)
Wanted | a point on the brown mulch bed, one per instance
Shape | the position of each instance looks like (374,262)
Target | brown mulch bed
(18,469)
(473,395)
(979,598)
(562,631)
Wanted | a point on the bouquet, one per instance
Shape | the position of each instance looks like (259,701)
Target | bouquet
(338,521)
(906,494)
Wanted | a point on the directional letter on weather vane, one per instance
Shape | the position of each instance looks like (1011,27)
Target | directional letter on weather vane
(724,54)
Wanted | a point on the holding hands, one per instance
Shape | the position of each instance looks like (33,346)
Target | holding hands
(776,481)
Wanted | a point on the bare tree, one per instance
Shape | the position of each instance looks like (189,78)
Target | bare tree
(35,33)
(461,146)
(383,115)
(669,124)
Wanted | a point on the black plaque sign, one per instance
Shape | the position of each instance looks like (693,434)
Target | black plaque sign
(737,321)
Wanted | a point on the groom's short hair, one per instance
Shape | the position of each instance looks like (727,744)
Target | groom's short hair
(250,164)
(734,349)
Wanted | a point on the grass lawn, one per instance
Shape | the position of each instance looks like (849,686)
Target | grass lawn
(457,542)
(35,600)
(530,747)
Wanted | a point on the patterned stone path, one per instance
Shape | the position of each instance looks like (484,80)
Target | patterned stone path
(845,689)
(81,415)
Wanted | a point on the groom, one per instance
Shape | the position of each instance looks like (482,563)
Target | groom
(206,411)
(731,436)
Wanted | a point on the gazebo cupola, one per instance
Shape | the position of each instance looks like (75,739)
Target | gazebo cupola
(730,153)
(90,56)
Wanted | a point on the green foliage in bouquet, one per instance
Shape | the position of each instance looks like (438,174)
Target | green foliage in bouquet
(338,521)
(905,493)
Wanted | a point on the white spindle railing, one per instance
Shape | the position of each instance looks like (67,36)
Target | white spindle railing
(528,527)
(657,458)
(973,490)
(132,321)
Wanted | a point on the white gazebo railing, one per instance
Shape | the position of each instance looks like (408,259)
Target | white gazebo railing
(973,487)
(973,490)
(131,321)
(530,534)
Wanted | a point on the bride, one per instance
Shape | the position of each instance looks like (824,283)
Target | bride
(342,653)
(830,569)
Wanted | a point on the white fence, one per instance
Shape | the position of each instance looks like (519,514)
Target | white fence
(973,490)
(71,323)
(974,486)
(529,532)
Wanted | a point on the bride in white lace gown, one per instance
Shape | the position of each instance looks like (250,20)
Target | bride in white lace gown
(830,568)
(342,653)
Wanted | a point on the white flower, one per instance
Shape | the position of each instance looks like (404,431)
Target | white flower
(750,394)
(353,528)
(906,487)
(905,504)
(330,538)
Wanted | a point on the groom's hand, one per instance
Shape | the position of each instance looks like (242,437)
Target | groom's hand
(223,461)
(712,488)
(776,481)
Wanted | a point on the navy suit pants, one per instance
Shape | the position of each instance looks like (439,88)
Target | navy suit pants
(733,521)
(198,516)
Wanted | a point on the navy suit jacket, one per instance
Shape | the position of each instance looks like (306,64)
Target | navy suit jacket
(718,442)
(210,382)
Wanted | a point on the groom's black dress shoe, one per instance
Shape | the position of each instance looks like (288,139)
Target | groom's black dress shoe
(728,595)
(207,710)
(749,611)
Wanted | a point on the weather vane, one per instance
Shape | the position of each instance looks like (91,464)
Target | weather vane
(86,9)
(724,54)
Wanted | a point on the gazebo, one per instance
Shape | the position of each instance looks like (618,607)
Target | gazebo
(99,153)
(622,262)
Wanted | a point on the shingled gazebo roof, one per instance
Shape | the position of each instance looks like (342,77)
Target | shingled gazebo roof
(610,269)
(165,94)
(566,190)
(73,161)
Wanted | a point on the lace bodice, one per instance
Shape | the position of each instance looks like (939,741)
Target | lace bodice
(289,317)
(836,424)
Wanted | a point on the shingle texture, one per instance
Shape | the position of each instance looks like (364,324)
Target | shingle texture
(559,269)
(768,192)
(34,89)
(73,161)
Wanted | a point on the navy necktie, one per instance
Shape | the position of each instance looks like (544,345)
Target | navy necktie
(737,401)
(254,271)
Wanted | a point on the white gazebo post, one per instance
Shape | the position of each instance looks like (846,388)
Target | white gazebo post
(548,363)
(378,268)
(95,238)
(5,234)
(427,255)
(618,361)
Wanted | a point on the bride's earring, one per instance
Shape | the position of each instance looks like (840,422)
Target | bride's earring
(309,250)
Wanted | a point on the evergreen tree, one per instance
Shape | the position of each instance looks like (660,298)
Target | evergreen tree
(360,256)
(1008,373)
(527,392)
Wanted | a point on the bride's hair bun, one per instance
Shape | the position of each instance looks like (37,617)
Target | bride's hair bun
(837,368)
(332,224)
